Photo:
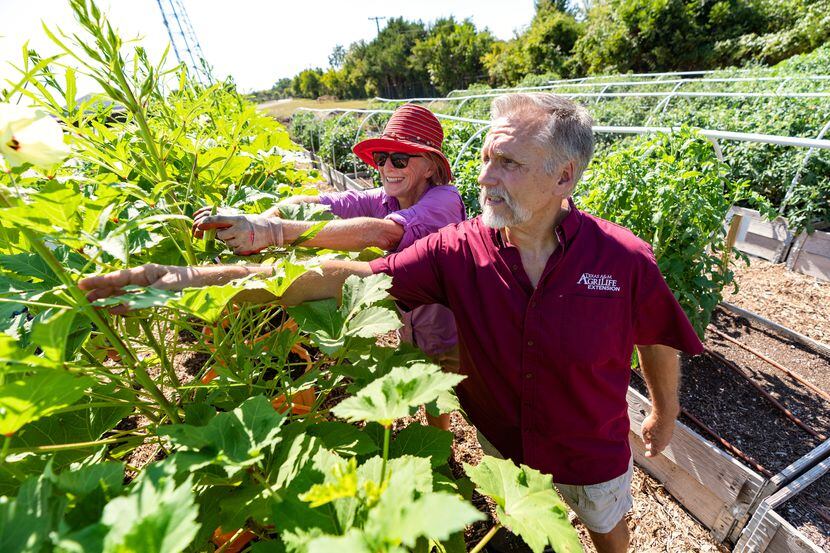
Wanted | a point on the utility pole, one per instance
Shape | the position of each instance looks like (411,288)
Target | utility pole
(377,22)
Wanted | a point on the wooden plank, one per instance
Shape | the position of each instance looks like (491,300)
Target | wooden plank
(772,534)
(759,532)
(767,531)
(818,243)
(759,246)
(813,265)
(787,492)
(340,180)
(765,239)
(788,539)
(790,473)
(766,229)
(713,486)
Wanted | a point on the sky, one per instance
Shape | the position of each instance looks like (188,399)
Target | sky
(255,41)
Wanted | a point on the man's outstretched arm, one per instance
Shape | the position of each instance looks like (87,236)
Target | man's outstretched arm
(310,286)
(661,370)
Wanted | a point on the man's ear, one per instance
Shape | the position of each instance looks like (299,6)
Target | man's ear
(566,182)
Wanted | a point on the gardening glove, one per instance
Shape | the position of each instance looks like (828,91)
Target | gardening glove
(208,211)
(245,234)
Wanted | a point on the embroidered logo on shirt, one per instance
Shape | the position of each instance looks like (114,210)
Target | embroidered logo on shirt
(606,283)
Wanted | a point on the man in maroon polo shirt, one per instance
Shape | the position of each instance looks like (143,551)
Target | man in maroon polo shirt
(549,303)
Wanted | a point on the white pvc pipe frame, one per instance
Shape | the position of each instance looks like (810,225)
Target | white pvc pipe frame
(712,135)
(580,83)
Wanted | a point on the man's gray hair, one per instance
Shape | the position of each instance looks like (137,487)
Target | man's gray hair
(566,133)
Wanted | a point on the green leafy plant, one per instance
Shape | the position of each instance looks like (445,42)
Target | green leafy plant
(672,192)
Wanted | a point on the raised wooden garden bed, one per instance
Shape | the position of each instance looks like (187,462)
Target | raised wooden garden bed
(769,531)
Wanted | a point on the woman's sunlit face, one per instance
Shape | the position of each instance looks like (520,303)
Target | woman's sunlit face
(411,181)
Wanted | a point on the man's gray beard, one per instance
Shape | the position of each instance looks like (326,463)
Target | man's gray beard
(517,215)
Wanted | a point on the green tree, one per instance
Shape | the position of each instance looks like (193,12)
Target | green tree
(307,83)
(335,82)
(452,54)
(545,47)
(337,56)
(788,28)
(660,35)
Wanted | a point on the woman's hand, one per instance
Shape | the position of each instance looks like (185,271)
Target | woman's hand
(207,211)
(245,234)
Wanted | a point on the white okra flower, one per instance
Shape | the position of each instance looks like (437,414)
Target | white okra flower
(30,135)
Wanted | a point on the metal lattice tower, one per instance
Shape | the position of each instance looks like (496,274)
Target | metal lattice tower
(184,41)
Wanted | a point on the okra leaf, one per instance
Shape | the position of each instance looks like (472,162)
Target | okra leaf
(138,297)
(285,273)
(76,426)
(526,504)
(402,510)
(406,475)
(234,439)
(82,480)
(423,441)
(38,395)
(342,438)
(206,303)
(353,542)
(157,515)
(53,212)
(435,515)
(11,354)
(372,321)
(397,394)
(361,292)
(27,520)
(30,265)
(323,321)
(51,330)
(340,483)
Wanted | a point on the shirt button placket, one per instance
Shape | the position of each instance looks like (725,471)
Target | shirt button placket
(532,321)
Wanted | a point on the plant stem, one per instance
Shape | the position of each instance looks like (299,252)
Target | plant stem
(6,443)
(149,139)
(387,432)
(165,362)
(487,537)
(80,301)
(78,445)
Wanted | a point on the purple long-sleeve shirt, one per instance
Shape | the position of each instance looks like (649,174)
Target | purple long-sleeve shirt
(430,327)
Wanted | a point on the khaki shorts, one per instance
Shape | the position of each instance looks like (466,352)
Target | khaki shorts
(601,506)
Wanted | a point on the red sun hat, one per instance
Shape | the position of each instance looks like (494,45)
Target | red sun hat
(412,129)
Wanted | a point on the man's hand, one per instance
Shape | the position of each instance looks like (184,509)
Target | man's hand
(661,370)
(165,277)
(657,433)
(245,234)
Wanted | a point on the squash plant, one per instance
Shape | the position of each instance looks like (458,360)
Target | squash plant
(236,463)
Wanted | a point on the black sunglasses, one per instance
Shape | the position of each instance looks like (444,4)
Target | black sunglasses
(399,159)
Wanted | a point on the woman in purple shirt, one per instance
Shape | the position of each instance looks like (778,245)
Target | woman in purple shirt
(415,200)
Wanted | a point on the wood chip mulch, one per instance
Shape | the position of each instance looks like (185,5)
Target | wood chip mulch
(799,302)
